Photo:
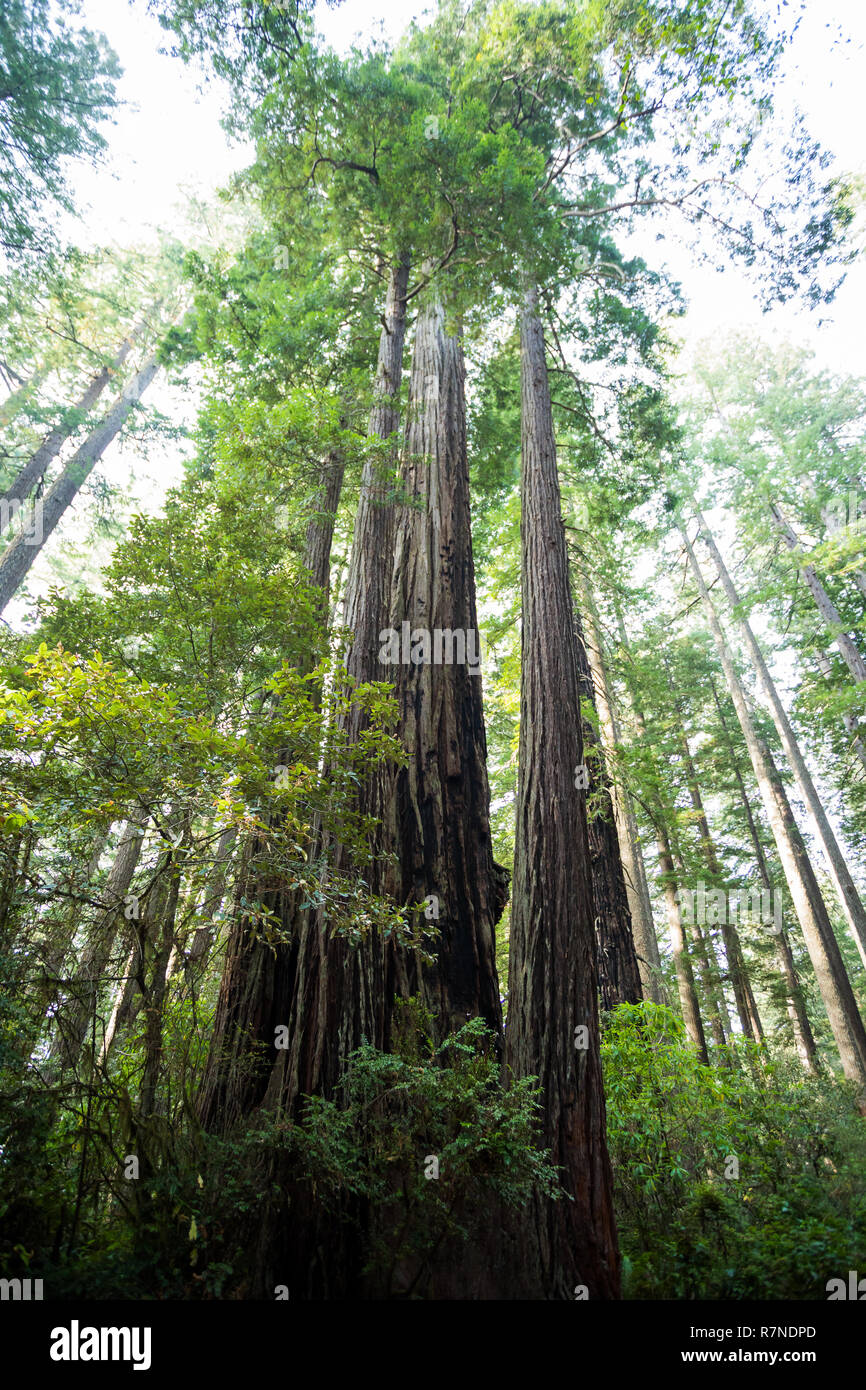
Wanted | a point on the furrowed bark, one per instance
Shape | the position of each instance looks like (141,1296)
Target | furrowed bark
(314,985)
(553,971)
(438,812)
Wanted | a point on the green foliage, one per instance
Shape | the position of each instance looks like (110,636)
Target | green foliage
(793,1218)
(396,1114)
(57,87)
(363,1156)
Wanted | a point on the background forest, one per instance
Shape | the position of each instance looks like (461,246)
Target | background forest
(432,837)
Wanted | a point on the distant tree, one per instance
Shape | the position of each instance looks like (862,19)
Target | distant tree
(57,87)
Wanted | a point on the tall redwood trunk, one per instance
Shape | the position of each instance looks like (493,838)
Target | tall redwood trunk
(325,993)
(438,813)
(553,978)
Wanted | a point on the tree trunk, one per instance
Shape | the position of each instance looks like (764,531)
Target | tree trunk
(689,1005)
(795,1005)
(437,819)
(830,614)
(618,971)
(636,885)
(320,528)
(315,983)
(553,1009)
(18,558)
(73,1023)
(195,956)
(747,1010)
(839,872)
(822,945)
(34,469)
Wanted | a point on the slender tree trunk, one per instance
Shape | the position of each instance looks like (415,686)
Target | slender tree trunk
(159,931)
(747,1010)
(636,885)
(688,994)
(60,935)
(830,614)
(20,555)
(849,722)
(320,528)
(846,889)
(121,1012)
(701,951)
(618,971)
(34,469)
(821,943)
(73,1023)
(552,1029)
(195,956)
(795,1005)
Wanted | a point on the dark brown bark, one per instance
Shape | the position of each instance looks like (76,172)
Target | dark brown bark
(314,985)
(437,820)
(553,974)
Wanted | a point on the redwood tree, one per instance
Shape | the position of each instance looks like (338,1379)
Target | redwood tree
(552,1030)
